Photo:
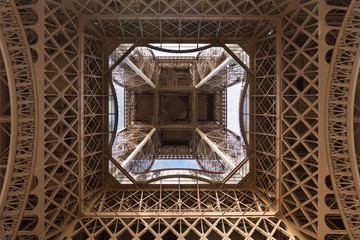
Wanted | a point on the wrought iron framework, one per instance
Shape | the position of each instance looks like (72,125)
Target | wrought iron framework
(54,74)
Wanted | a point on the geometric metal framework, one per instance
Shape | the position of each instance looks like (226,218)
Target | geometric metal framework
(54,133)
(215,148)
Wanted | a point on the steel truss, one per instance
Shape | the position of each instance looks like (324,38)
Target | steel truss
(160,19)
(306,170)
(181,228)
(237,213)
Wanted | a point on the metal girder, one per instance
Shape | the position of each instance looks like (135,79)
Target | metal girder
(185,17)
(343,160)
(214,72)
(139,72)
(234,170)
(178,88)
(122,170)
(138,148)
(182,214)
(176,126)
(5,119)
(216,149)
(204,40)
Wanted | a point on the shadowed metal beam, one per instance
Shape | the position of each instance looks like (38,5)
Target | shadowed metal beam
(5,119)
(228,160)
(139,72)
(192,17)
(235,170)
(122,57)
(138,148)
(236,58)
(214,72)
(122,170)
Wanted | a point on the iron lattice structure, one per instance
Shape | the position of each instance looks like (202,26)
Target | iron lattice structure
(304,112)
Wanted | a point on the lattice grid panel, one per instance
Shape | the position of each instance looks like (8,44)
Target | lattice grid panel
(300,80)
(95,100)
(264,116)
(181,228)
(61,139)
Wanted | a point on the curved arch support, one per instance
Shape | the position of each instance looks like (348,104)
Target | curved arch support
(20,76)
(341,90)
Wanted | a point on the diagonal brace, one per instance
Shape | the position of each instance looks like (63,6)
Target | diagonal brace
(228,160)
(138,149)
(109,70)
(236,58)
(214,72)
(139,72)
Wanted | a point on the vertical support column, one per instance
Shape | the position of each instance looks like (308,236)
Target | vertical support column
(322,160)
(194,108)
(39,191)
(157,107)
(106,79)
(81,115)
(278,114)
(252,115)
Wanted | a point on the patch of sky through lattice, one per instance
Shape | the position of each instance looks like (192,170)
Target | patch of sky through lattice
(175,163)
(121,105)
(233,106)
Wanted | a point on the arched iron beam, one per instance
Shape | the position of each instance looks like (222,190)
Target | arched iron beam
(179,51)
